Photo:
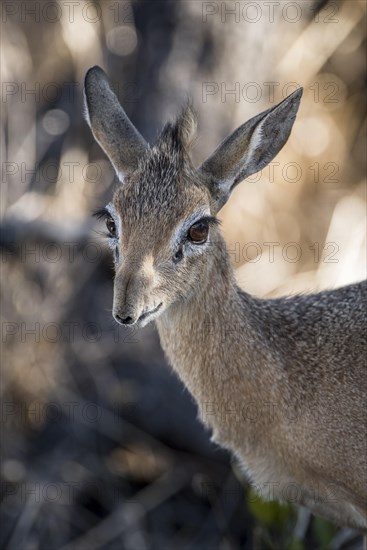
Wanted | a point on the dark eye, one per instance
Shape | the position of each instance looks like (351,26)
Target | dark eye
(198,233)
(111,227)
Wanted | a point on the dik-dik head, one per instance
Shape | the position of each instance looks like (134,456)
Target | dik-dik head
(162,220)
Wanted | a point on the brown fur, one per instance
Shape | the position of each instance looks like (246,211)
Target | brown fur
(280,382)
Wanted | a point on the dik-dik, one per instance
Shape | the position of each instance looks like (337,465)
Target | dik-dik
(280,382)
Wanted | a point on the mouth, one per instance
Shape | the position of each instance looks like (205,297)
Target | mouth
(145,315)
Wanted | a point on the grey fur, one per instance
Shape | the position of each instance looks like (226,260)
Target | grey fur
(250,148)
(296,363)
(110,125)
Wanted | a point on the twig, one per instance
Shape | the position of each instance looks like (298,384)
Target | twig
(125,517)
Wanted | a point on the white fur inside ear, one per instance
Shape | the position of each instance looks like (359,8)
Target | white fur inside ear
(255,141)
(85,109)
(226,183)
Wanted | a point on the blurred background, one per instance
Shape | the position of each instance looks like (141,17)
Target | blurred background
(101,445)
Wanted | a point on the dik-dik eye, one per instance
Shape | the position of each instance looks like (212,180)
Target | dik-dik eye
(198,233)
(111,227)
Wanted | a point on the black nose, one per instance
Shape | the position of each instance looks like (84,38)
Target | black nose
(124,321)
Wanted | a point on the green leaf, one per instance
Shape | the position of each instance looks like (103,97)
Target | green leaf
(323,531)
(269,514)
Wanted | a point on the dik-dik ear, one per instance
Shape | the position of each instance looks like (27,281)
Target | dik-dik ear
(110,125)
(249,148)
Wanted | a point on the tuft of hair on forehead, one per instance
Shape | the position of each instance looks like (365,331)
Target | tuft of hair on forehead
(180,134)
(186,124)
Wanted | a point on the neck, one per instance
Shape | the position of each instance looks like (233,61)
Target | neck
(209,341)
